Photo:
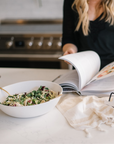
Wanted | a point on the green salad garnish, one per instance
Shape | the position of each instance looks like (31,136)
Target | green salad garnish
(43,94)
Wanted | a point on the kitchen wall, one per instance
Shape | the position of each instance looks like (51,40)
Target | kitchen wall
(31,9)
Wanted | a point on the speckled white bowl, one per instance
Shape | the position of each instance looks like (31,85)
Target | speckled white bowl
(29,111)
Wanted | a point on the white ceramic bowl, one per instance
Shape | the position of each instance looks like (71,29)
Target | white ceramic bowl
(29,111)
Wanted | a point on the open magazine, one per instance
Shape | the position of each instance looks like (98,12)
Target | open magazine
(86,79)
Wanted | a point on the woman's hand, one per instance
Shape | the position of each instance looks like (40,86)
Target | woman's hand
(69,49)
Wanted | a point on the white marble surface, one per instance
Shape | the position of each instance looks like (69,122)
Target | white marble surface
(51,128)
(31,9)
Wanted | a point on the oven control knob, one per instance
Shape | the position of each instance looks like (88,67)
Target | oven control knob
(30,43)
(40,43)
(59,44)
(49,44)
(9,44)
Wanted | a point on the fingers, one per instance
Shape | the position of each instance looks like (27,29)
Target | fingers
(65,53)
(69,51)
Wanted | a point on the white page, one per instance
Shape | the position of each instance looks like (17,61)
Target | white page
(86,63)
(105,72)
(98,94)
(69,78)
(102,85)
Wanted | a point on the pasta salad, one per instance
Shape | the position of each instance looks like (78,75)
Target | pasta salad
(43,94)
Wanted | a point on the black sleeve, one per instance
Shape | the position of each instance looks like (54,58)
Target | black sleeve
(68,23)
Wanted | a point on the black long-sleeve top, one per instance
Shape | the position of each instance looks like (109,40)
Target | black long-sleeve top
(100,38)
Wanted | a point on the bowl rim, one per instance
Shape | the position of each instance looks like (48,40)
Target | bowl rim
(32,81)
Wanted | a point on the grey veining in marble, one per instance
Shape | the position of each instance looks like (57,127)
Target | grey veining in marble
(31,9)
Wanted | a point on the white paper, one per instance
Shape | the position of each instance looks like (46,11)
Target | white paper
(69,79)
(87,65)
(106,84)
(106,72)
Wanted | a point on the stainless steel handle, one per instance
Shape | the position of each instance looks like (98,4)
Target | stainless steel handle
(39,56)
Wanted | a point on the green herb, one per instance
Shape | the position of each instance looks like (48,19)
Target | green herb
(42,94)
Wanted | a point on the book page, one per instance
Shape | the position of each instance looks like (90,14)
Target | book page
(68,80)
(102,85)
(98,94)
(105,72)
(86,63)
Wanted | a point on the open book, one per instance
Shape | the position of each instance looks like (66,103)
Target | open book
(86,79)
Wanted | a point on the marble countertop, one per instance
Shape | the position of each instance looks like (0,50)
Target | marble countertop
(51,128)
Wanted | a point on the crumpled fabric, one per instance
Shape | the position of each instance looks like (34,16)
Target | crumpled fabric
(86,112)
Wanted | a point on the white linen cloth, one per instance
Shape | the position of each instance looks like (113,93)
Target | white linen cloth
(86,112)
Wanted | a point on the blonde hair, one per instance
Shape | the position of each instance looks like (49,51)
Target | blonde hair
(82,9)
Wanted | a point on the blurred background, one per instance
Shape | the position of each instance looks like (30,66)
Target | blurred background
(31,33)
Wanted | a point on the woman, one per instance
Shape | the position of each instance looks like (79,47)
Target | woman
(89,25)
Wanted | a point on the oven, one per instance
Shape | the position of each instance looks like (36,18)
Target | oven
(30,34)
(31,44)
